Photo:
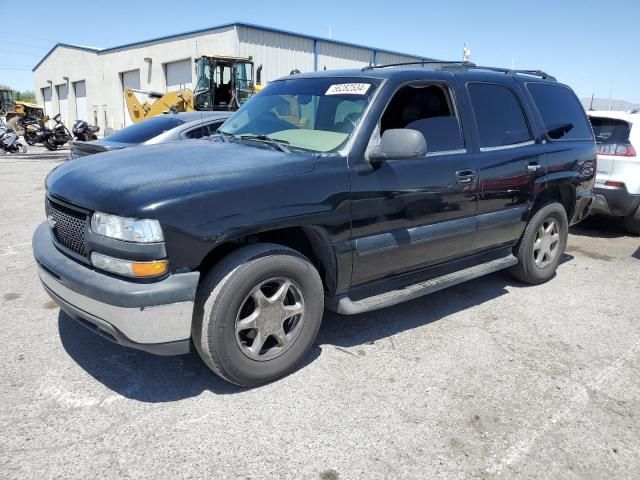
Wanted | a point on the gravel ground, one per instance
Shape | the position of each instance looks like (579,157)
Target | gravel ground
(489,379)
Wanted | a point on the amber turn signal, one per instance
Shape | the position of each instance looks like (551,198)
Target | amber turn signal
(149,269)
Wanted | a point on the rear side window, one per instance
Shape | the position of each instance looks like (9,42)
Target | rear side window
(499,116)
(561,112)
(145,130)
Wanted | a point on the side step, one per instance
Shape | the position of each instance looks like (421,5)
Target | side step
(343,304)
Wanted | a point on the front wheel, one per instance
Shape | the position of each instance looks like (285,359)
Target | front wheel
(257,314)
(542,245)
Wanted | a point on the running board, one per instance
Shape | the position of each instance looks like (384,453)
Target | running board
(343,304)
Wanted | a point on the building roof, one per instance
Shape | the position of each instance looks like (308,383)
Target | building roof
(219,27)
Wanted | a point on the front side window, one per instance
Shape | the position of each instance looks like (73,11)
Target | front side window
(316,114)
(499,116)
(562,114)
(428,109)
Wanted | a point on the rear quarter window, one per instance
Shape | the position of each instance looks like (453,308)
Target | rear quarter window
(561,112)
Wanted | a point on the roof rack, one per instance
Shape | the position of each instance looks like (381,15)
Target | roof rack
(423,62)
(448,64)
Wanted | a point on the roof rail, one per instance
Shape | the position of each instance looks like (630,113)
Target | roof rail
(448,64)
(423,62)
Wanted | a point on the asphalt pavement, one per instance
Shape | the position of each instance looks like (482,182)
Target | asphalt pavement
(490,379)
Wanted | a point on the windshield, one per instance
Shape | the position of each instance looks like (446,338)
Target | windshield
(316,114)
(145,130)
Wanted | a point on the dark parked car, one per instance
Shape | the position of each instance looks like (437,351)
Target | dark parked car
(160,129)
(353,190)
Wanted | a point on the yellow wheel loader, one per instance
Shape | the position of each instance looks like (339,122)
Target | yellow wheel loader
(12,109)
(222,83)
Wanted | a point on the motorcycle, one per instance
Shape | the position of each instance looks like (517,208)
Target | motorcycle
(36,132)
(9,140)
(33,128)
(60,135)
(85,132)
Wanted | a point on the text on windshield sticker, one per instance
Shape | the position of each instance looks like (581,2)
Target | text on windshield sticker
(348,89)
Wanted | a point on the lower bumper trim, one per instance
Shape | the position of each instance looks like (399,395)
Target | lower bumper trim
(111,333)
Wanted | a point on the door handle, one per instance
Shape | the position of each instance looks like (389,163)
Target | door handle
(465,177)
(533,167)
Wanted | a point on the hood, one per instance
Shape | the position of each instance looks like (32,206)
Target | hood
(127,181)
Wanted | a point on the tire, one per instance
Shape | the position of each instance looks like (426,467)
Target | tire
(534,265)
(226,295)
(632,222)
(50,145)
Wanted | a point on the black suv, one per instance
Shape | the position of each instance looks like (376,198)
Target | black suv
(353,190)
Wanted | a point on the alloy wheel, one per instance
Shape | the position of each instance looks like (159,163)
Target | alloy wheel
(270,319)
(547,242)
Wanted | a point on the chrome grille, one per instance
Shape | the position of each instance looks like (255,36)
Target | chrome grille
(68,226)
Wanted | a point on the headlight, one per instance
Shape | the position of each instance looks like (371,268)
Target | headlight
(128,268)
(127,229)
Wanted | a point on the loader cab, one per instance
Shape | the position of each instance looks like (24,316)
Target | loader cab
(7,101)
(223,83)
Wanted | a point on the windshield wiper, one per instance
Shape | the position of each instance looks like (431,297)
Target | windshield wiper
(279,144)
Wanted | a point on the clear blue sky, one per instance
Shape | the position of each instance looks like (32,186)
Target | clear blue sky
(587,44)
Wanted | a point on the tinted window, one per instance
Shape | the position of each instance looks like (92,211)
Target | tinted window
(427,109)
(561,112)
(195,133)
(499,117)
(610,130)
(145,130)
(212,128)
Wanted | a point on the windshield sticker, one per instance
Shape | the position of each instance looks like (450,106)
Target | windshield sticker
(348,89)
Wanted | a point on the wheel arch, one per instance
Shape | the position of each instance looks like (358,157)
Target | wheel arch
(563,193)
(311,241)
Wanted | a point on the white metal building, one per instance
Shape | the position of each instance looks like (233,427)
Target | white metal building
(88,83)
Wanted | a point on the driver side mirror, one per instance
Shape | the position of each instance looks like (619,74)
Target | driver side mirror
(399,144)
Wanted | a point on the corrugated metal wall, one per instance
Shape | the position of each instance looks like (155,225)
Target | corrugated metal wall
(387,58)
(335,56)
(278,53)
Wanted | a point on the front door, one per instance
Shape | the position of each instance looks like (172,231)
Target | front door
(419,212)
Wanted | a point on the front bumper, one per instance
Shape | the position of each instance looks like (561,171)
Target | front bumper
(616,202)
(154,317)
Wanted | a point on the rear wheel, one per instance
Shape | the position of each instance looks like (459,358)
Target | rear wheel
(257,314)
(632,222)
(542,245)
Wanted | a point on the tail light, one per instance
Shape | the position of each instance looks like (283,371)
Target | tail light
(610,183)
(619,149)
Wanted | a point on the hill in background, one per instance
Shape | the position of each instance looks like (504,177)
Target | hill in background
(603,104)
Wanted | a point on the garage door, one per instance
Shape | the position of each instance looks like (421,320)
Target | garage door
(63,105)
(129,79)
(179,75)
(46,94)
(80,91)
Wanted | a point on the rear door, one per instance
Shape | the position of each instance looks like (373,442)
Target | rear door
(509,160)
